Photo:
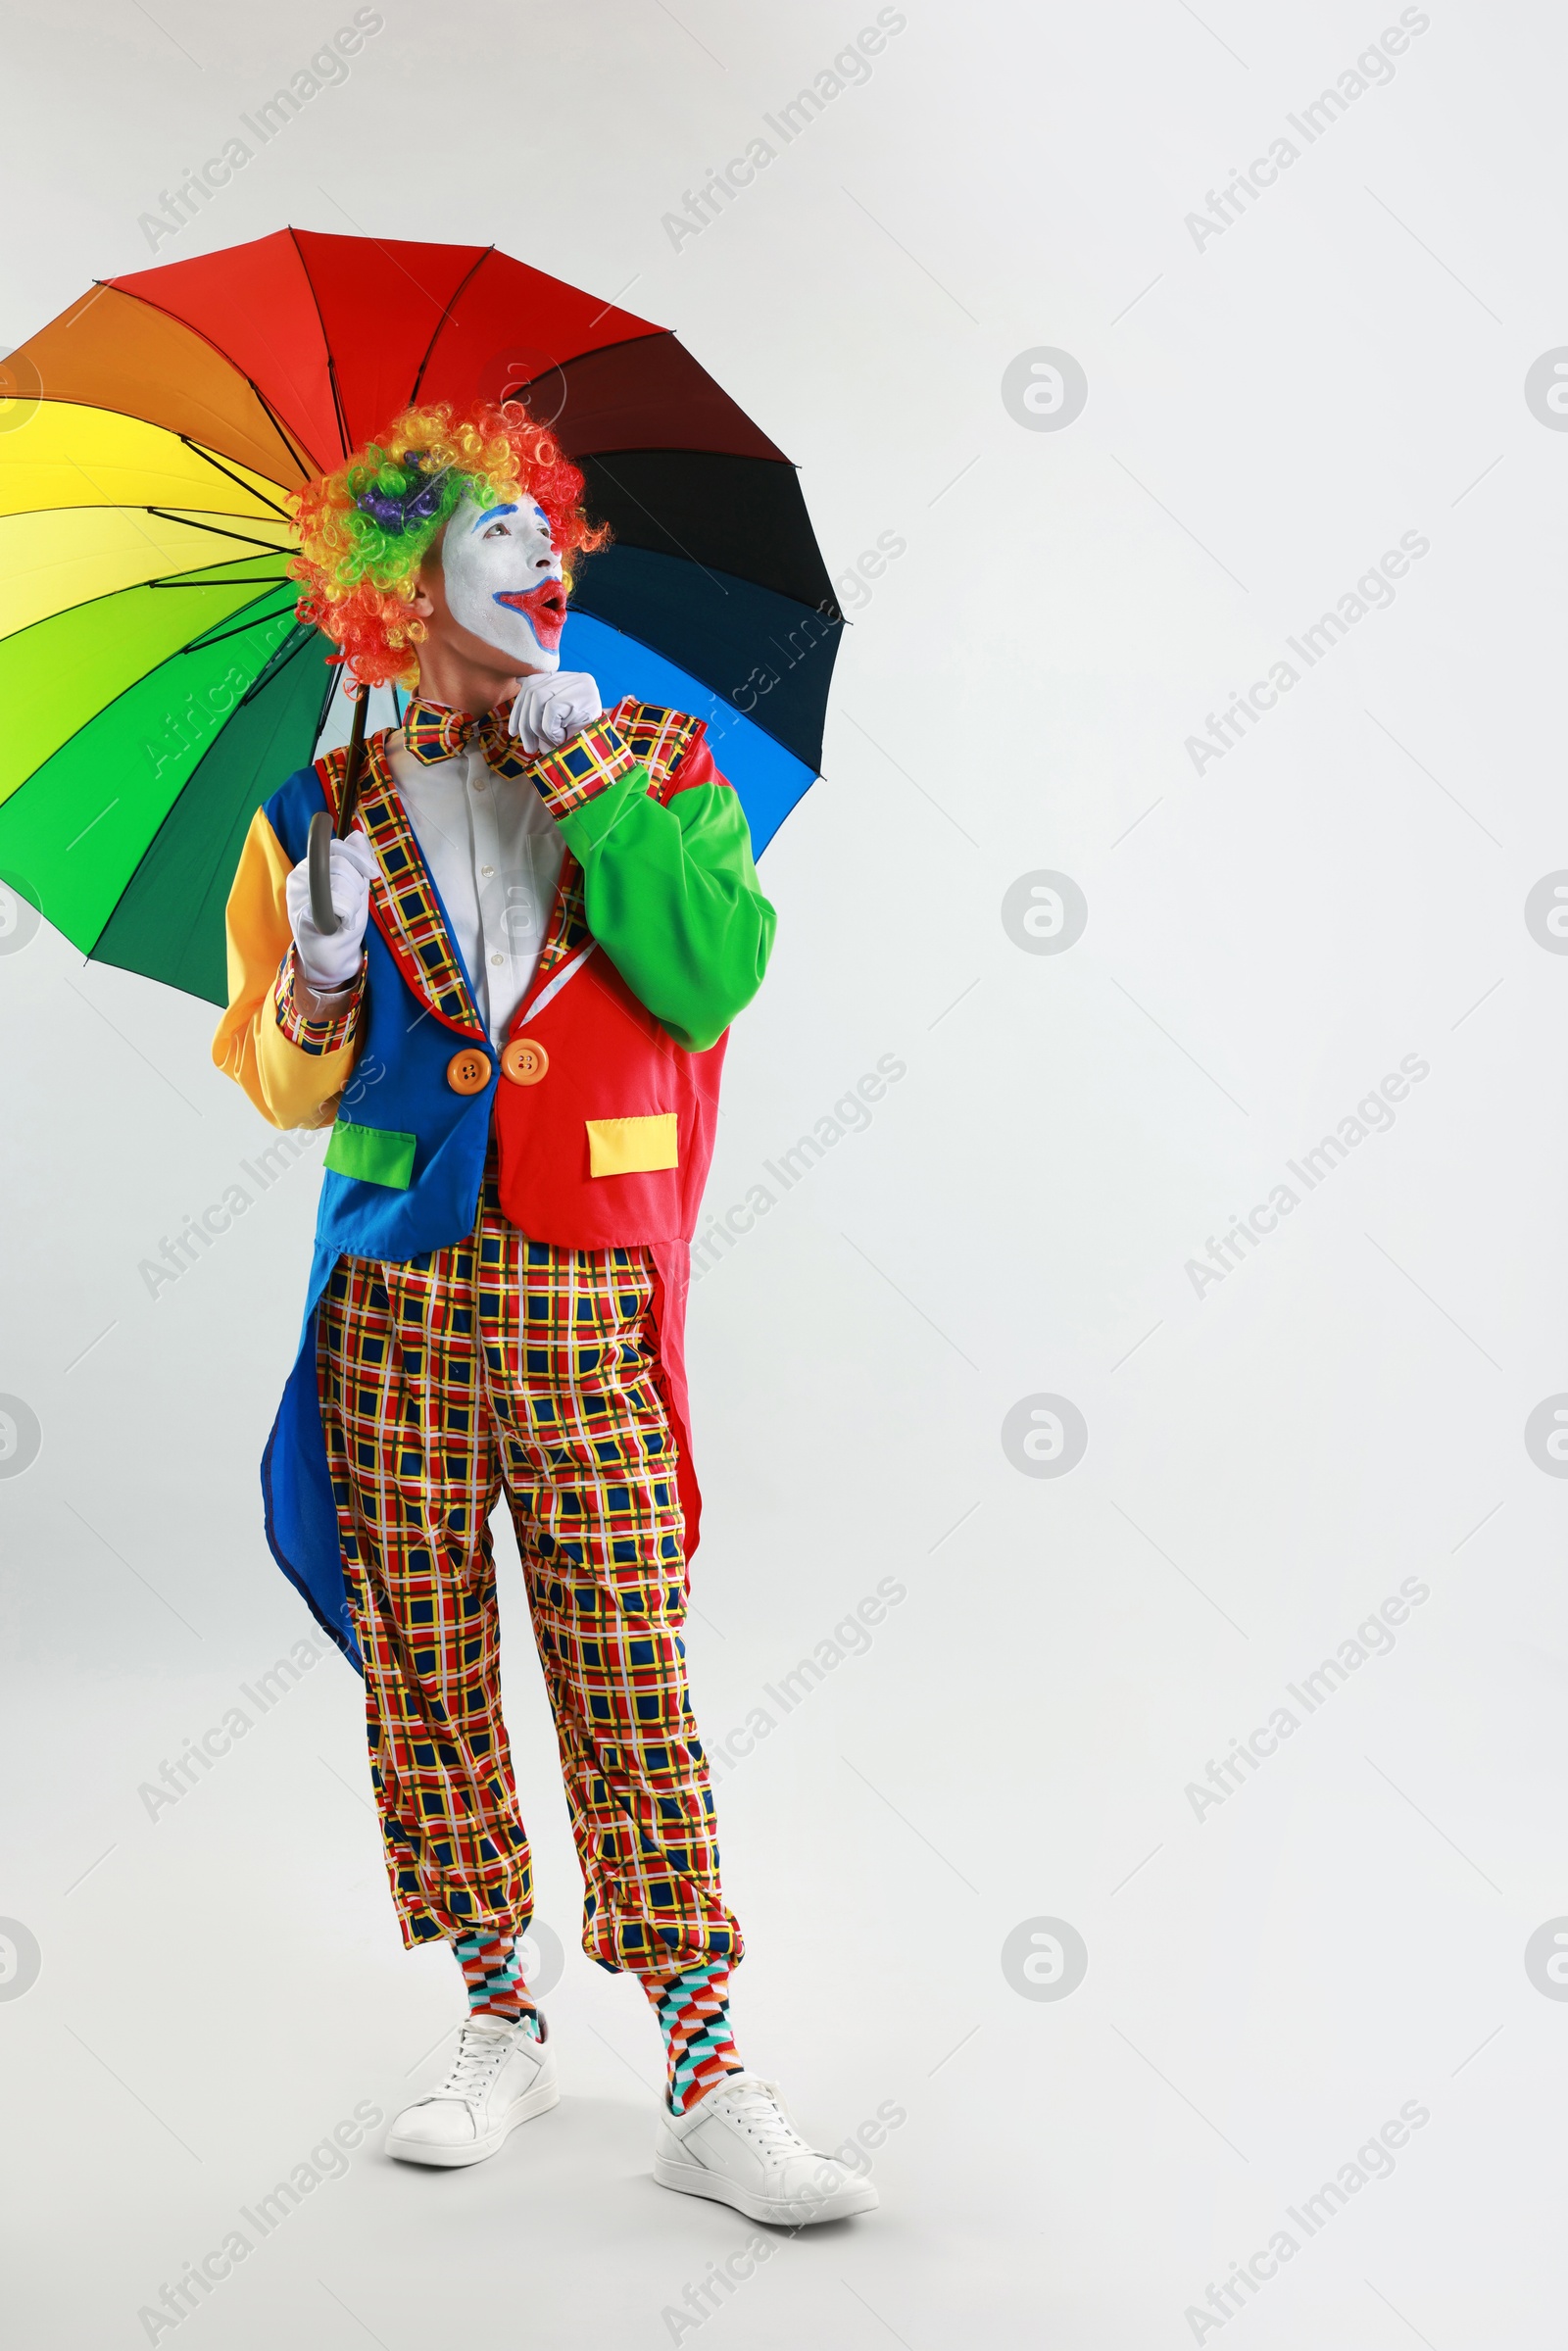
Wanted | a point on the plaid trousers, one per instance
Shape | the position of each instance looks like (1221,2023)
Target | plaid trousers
(505,1362)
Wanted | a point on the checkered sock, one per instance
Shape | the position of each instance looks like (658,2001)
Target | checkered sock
(492,1966)
(693,2012)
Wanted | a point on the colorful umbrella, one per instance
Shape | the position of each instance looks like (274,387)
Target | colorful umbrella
(157,684)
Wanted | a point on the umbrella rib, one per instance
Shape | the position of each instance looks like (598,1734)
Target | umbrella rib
(448,309)
(200,644)
(333,677)
(165,515)
(337,396)
(261,579)
(326,342)
(197,450)
(294,643)
(281,429)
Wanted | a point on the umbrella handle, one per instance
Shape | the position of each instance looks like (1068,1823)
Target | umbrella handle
(319,847)
(318,853)
(356,763)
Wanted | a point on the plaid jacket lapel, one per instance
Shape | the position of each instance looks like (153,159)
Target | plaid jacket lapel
(404,904)
(567,927)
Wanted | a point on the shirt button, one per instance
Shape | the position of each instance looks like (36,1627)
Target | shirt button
(498,958)
(487,870)
(478,783)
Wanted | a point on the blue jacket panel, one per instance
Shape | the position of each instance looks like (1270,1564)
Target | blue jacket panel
(300,1513)
(399,1086)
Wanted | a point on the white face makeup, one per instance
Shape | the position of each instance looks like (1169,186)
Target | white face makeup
(503,580)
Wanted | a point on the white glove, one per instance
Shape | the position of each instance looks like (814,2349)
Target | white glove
(551,709)
(331,963)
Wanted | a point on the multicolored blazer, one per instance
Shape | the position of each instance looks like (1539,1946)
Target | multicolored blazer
(602,1097)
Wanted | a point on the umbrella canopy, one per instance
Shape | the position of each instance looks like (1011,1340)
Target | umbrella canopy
(157,682)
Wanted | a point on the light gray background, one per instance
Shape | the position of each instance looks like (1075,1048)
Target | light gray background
(1267,1984)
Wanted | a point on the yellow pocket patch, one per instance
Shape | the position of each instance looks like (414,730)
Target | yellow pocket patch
(632,1146)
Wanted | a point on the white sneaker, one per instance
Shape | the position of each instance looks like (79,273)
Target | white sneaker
(738,2146)
(501,2076)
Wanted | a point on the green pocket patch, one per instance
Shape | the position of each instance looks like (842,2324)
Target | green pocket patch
(372,1156)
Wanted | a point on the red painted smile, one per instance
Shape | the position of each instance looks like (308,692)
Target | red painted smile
(544,608)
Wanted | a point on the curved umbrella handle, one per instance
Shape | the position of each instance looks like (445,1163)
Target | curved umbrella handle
(319,851)
(319,846)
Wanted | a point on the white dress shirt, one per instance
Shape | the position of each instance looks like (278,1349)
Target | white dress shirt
(495,853)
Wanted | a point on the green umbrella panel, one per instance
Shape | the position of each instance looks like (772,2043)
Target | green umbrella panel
(154,771)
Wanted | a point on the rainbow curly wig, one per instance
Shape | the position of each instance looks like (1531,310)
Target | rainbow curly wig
(365,529)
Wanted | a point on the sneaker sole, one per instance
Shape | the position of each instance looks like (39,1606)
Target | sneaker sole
(413,2150)
(694,2180)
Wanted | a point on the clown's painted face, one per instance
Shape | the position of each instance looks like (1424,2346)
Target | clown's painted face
(503,580)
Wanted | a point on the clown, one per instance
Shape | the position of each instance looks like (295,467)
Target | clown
(546,919)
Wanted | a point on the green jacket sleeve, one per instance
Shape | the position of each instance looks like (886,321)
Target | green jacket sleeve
(671,891)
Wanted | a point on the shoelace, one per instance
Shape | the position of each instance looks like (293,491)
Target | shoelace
(755,2106)
(479,2056)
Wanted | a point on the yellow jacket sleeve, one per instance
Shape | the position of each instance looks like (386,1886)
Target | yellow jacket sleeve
(291,1067)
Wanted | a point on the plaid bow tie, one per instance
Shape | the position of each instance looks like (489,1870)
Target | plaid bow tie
(432,732)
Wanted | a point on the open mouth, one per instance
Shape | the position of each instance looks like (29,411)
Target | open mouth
(544,608)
